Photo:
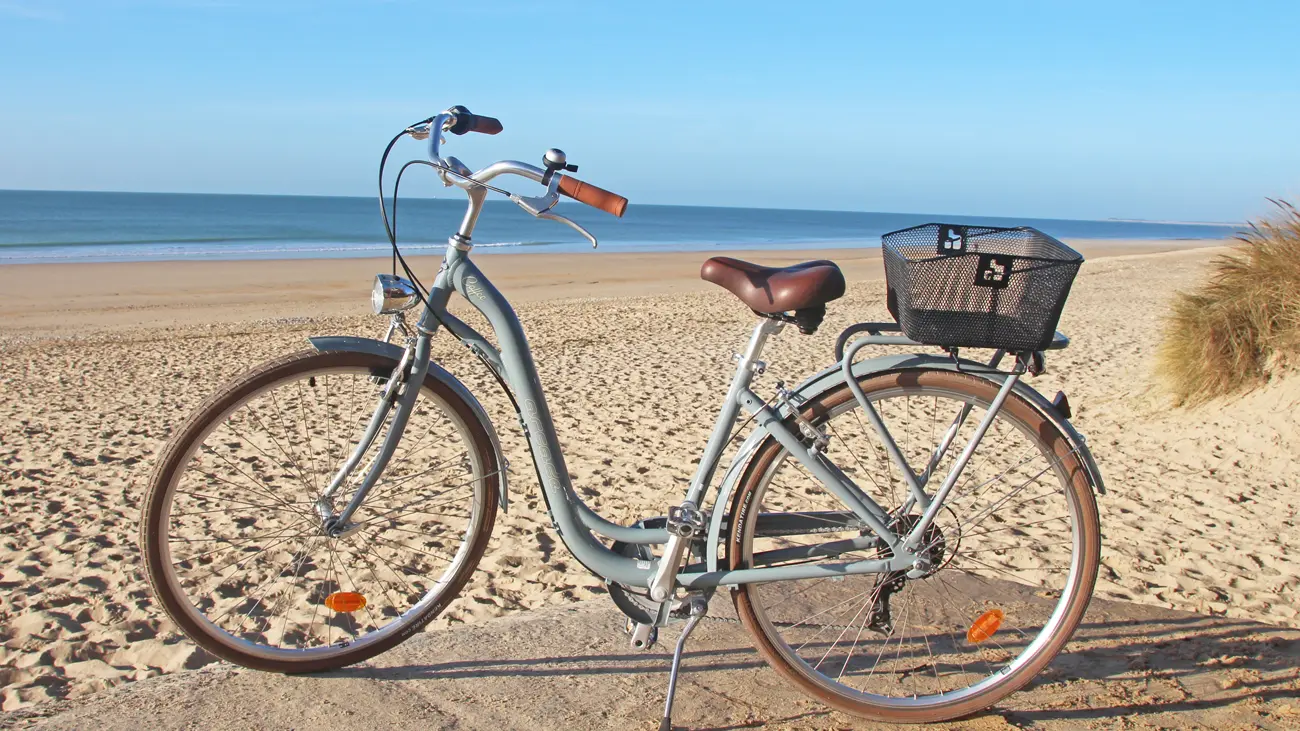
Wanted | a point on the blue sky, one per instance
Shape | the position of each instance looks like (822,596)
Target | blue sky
(1162,110)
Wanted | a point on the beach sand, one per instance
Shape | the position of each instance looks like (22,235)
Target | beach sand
(100,362)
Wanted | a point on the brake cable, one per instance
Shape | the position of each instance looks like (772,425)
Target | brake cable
(391,229)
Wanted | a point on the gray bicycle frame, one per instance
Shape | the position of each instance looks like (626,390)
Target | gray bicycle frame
(577,524)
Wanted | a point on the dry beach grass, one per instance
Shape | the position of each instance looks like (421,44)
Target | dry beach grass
(1200,513)
(1242,326)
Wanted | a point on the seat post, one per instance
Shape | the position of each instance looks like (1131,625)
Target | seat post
(767,327)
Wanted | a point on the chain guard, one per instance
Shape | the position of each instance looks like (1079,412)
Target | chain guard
(635,603)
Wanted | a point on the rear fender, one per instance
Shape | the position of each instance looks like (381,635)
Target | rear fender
(436,372)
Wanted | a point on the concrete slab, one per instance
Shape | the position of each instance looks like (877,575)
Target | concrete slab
(1130,666)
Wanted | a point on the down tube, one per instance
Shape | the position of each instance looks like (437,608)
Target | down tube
(517,359)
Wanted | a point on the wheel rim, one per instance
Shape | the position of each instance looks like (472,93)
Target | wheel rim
(243,551)
(927,658)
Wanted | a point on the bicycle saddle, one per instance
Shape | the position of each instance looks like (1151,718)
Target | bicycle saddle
(770,290)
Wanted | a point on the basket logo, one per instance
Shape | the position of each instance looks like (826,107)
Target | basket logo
(952,240)
(994,270)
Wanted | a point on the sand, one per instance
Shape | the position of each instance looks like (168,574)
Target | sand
(98,363)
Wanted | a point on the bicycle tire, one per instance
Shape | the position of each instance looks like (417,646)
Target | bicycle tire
(175,458)
(787,661)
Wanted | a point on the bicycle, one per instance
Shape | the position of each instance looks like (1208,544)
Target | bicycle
(271,546)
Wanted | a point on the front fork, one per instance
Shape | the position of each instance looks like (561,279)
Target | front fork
(397,399)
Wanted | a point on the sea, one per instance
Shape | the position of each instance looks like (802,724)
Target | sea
(58,226)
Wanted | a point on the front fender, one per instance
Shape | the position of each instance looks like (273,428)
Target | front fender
(437,372)
(833,376)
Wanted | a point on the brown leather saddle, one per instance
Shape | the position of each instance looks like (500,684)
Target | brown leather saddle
(770,290)
(801,288)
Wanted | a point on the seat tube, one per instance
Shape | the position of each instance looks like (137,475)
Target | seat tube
(747,366)
(665,576)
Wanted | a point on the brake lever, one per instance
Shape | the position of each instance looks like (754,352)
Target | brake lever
(537,205)
(540,207)
(557,217)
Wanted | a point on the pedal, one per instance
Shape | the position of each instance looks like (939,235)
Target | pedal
(643,636)
(685,521)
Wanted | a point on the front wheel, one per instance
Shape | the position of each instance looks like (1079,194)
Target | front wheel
(1013,554)
(233,537)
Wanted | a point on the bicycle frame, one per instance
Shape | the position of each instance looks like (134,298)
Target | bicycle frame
(577,524)
(738,527)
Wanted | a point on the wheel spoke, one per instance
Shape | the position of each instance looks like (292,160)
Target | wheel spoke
(392,484)
(270,434)
(257,485)
(280,506)
(232,543)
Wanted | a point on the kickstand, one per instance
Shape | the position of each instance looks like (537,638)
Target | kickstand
(698,607)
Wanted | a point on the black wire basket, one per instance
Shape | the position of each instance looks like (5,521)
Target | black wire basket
(978,286)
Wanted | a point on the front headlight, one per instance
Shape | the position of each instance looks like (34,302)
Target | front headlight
(392,294)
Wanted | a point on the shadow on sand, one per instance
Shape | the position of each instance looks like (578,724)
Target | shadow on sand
(1196,653)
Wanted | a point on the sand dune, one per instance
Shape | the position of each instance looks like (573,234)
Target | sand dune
(1200,515)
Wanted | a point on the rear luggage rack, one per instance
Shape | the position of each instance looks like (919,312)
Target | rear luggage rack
(882,333)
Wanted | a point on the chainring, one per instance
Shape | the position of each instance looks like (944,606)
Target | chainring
(634,602)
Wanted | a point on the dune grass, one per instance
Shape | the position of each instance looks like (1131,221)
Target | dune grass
(1242,327)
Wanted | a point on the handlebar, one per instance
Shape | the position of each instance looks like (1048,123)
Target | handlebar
(459,120)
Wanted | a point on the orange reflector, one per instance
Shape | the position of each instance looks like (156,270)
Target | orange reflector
(345,601)
(984,627)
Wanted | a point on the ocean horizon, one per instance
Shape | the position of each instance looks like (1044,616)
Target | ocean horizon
(73,226)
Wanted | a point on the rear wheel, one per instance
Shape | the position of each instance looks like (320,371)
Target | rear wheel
(234,546)
(1014,553)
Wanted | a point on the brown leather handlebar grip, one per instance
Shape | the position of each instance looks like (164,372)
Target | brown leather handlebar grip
(593,196)
(485,125)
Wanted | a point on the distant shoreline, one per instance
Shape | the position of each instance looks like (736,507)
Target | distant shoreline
(524,248)
(1175,223)
(374,200)
(71,227)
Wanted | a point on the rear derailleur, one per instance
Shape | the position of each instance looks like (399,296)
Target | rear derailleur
(933,558)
